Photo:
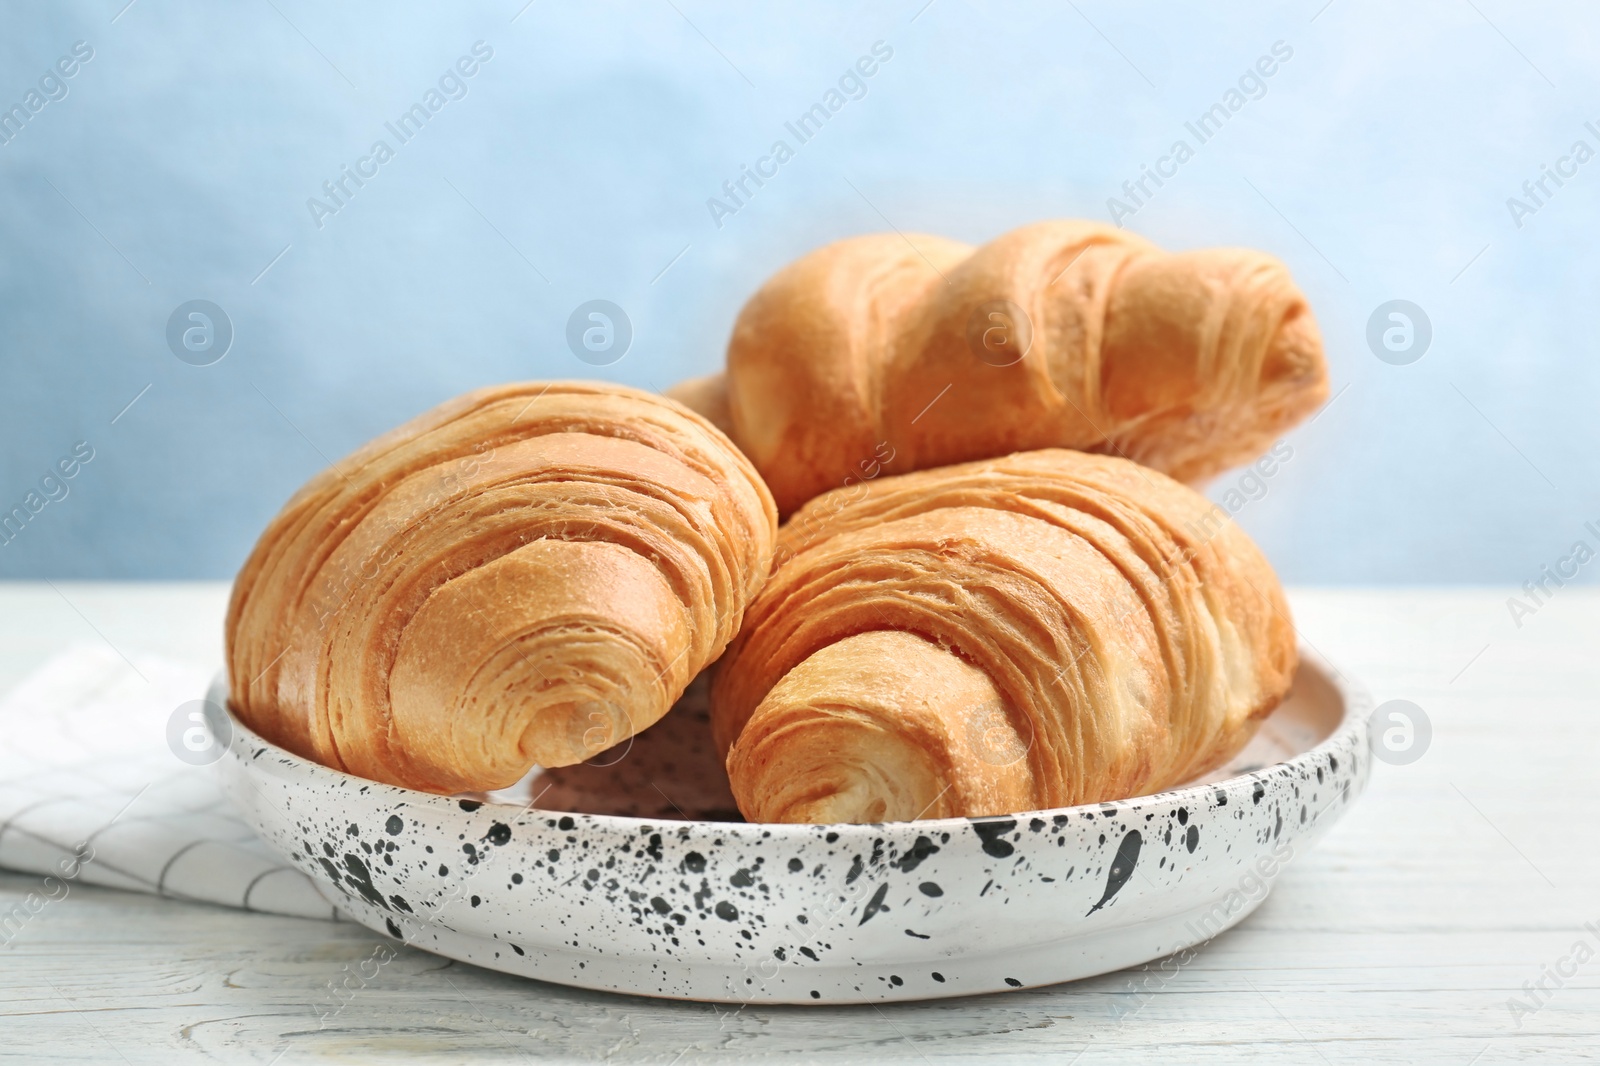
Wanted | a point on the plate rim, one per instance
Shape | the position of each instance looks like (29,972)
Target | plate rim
(1349,732)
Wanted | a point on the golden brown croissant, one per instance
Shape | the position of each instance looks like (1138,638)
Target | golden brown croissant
(1056,335)
(527,574)
(1037,631)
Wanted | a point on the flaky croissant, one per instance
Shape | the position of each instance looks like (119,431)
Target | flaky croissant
(525,575)
(1041,630)
(1056,335)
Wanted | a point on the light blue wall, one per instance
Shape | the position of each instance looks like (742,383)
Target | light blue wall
(1378,165)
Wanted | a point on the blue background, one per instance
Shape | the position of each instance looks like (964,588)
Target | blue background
(578,166)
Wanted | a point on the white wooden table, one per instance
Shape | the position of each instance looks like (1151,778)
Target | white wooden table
(1400,938)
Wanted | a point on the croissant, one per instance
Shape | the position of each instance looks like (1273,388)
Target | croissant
(1042,630)
(1056,335)
(527,574)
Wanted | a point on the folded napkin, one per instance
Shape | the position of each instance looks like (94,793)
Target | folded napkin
(91,792)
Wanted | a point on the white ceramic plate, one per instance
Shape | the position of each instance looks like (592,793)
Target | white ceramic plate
(634,875)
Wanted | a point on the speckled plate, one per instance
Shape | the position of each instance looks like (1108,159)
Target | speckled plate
(633,874)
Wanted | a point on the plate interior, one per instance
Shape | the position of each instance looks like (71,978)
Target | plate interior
(671,770)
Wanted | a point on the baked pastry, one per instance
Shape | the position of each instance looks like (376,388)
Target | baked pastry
(527,574)
(1042,630)
(1056,335)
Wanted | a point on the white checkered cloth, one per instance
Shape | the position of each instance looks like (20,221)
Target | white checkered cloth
(85,770)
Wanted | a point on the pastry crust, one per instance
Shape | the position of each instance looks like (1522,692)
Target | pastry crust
(1061,334)
(1041,630)
(527,574)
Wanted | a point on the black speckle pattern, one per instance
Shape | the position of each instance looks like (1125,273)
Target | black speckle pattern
(992,832)
(875,904)
(1122,865)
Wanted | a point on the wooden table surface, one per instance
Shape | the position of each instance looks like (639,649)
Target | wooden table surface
(1401,938)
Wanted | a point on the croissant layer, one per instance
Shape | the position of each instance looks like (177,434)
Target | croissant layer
(1041,630)
(525,575)
(1058,334)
